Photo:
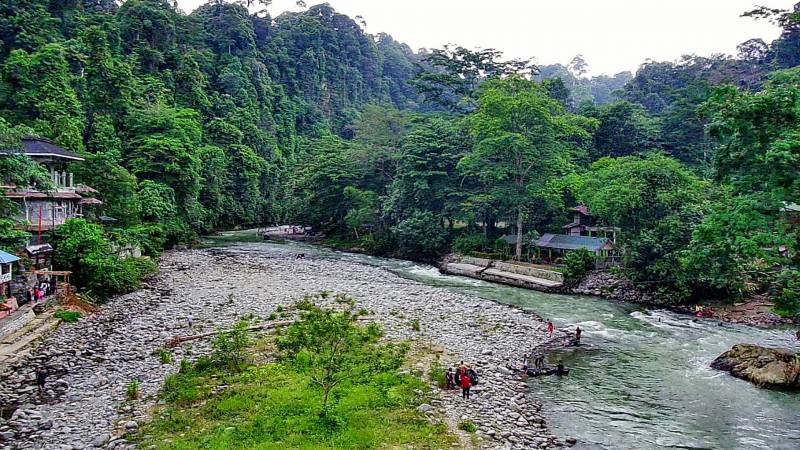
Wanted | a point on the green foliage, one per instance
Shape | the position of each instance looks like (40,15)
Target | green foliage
(420,236)
(523,140)
(469,243)
(437,374)
(230,347)
(132,390)
(67,316)
(757,136)
(468,426)
(787,298)
(737,243)
(164,355)
(276,406)
(331,348)
(84,249)
(656,202)
(456,73)
(624,129)
(579,263)
(414,324)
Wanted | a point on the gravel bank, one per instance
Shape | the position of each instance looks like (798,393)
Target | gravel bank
(92,362)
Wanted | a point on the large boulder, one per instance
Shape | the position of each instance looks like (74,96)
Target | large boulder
(773,368)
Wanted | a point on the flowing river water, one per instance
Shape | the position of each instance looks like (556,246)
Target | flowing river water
(641,378)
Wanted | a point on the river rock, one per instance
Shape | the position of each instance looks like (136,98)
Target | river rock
(773,368)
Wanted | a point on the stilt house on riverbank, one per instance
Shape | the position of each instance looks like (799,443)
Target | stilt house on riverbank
(41,210)
(581,233)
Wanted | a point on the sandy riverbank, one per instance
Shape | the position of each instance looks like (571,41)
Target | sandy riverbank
(96,358)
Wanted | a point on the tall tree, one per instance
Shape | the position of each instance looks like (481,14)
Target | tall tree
(453,74)
(523,139)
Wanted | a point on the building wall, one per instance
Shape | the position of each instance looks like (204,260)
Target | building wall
(52,211)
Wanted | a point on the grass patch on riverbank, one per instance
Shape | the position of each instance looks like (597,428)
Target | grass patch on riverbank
(275,407)
(334,384)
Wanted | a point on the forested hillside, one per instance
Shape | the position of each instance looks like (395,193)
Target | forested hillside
(223,118)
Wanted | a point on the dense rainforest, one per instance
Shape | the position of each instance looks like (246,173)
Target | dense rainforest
(224,118)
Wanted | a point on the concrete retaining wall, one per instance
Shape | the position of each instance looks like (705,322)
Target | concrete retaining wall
(530,271)
(502,272)
(17,320)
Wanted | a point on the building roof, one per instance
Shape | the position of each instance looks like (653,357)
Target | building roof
(84,189)
(41,147)
(34,250)
(566,242)
(43,195)
(7,258)
(90,201)
(790,207)
(511,239)
(583,209)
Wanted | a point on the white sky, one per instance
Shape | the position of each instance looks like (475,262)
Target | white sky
(612,35)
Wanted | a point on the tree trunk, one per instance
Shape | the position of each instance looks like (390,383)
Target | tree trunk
(325,400)
(519,235)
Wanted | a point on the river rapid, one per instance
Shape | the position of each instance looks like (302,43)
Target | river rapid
(641,378)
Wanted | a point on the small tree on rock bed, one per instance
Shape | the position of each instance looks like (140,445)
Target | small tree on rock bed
(332,348)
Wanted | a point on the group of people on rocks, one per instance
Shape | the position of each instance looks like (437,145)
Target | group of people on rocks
(464,377)
(38,293)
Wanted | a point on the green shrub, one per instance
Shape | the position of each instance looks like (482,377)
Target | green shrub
(787,293)
(333,348)
(437,374)
(230,347)
(579,263)
(67,316)
(132,390)
(421,236)
(84,249)
(164,356)
(467,425)
(414,324)
(470,243)
(377,243)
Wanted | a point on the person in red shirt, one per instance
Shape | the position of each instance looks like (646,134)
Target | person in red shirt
(466,383)
(550,328)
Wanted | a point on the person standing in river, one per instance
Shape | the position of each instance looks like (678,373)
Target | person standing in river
(578,332)
(550,328)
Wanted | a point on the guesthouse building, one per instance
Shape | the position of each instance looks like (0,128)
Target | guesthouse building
(41,209)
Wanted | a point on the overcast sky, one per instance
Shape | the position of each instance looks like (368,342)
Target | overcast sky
(612,35)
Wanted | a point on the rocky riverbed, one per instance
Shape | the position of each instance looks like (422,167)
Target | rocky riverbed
(92,362)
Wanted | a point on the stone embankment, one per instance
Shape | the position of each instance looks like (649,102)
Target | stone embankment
(519,275)
(92,362)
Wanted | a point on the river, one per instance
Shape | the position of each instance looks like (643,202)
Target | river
(641,378)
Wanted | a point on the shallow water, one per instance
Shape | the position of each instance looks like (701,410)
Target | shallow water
(641,378)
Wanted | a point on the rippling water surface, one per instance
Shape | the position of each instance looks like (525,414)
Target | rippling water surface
(641,378)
